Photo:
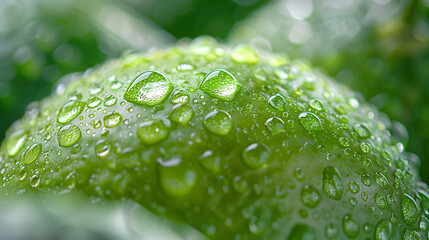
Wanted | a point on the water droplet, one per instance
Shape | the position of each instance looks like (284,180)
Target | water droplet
(179,96)
(210,162)
(220,84)
(299,174)
(102,149)
(310,122)
(316,105)
(32,153)
(149,88)
(181,114)
(112,119)
(354,187)
(185,67)
(152,131)
(256,155)
(381,180)
(332,183)
(275,125)
(239,184)
(110,100)
(350,226)
(16,141)
(365,147)
(218,122)
(35,181)
(22,174)
(411,235)
(331,231)
(301,231)
(362,131)
(93,102)
(380,201)
(366,180)
(410,210)
(383,230)
(70,111)
(115,85)
(177,181)
(68,135)
(345,142)
(95,89)
(277,102)
(310,197)
(244,54)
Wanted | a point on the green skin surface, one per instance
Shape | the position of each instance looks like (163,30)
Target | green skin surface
(260,200)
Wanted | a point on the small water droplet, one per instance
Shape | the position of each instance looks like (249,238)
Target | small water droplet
(220,84)
(299,174)
(70,111)
(115,85)
(365,147)
(410,210)
(179,96)
(152,131)
(68,135)
(93,102)
(301,231)
(185,67)
(181,114)
(177,181)
(380,201)
(362,131)
(102,149)
(35,181)
(366,180)
(383,230)
(354,187)
(110,100)
(239,184)
(256,156)
(350,226)
(22,174)
(310,197)
(381,180)
(310,122)
(332,183)
(210,162)
(331,231)
(112,119)
(345,142)
(275,125)
(218,122)
(244,54)
(16,141)
(277,102)
(316,105)
(411,235)
(149,88)
(32,153)
(95,89)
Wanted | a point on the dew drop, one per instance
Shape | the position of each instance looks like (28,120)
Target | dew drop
(277,102)
(115,85)
(152,131)
(70,111)
(410,210)
(181,114)
(256,156)
(149,88)
(310,122)
(350,226)
(68,135)
(316,105)
(362,131)
(380,201)
(239,184)
(110,100)
(185,67)
(310,197)
(220,84)
(179,96)
(218,123)
(381,180)
(95,89)
(16,141)
(366,180)
(102,149)
(177,181)
(354,187)
(93,102)
(244,54)
(331,231)
(210,162)
(275,125)
(35,181)
(383,230)
(332,183)
(112,119)
(365,147)
(411,235)
(32,153)
(301,231)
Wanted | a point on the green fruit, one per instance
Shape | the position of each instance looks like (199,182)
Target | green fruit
(262,149)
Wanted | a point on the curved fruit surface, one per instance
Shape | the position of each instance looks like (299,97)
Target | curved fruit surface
(236,142)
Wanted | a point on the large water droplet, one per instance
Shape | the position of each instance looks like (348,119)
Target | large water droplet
(32,153)
(110,100)
(220,84)
(70,111)
(152,131)
(381,180)
(302,232)
(332,183)
(181,114)
(102,149)
(256,155)
(177,181)
(410,210)
(310,197)
(244,54)
(350,226)
(362,131)
(68,135)
(218,122)
(93,102)
(277,102)
(149,88)
(179,96)
(210,162)
(411,235)
(112,119)
(16,141)
(383,230)
(275,125)
(310,122)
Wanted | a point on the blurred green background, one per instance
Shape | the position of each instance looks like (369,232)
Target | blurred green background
(380,48)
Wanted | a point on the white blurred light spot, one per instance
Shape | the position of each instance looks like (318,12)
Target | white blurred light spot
(382,2)
(300,32)
(299,9)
